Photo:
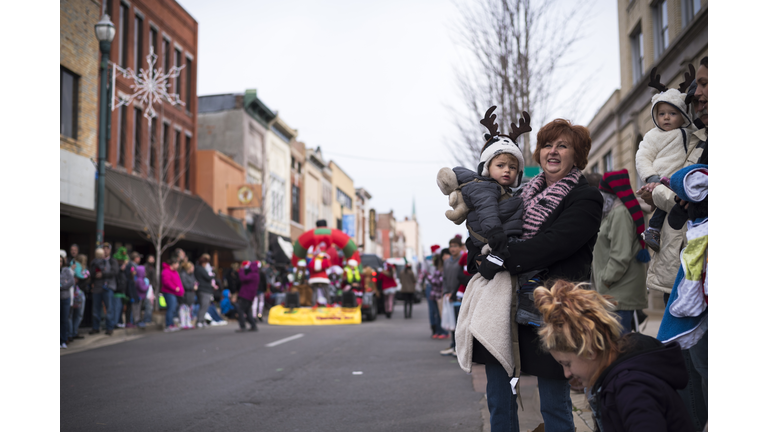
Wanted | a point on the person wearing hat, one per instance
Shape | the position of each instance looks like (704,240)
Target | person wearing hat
(126,289)
(619,255)
(249,287)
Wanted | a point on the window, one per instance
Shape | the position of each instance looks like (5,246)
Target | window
(166,56)
(68,94)
(608,161)
(637,56)
(123,54)
(177,63)
(153,40)
(188,92)
(138,43)
(187,155)
(137,122)
(343,199)
(295,203)
(277,197)
(661,27)
(690,9)
(166,153)
(121,130)
(595,169)
(177,159)
(153,148)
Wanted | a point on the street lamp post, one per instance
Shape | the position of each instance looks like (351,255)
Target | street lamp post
(105,32)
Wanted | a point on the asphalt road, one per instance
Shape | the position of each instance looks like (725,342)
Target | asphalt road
(215,379)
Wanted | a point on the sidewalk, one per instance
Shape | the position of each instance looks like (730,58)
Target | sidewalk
(530,415)
(118,335)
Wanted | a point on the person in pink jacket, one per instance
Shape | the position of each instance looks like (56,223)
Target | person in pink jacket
(172,290)
(249,287)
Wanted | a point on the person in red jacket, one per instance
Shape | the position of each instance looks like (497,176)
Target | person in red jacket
(172,290)
(249,288)
(389,287)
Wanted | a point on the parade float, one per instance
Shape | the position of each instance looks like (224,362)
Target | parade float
(312,300)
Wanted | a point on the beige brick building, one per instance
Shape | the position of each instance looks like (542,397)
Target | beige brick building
(667,35)
(79,101)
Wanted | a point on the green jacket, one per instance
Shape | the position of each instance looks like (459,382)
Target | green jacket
(617,272)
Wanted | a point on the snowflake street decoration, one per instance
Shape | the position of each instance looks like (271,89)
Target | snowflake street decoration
(149,86)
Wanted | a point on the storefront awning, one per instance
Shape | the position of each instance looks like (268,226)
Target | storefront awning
(125,193)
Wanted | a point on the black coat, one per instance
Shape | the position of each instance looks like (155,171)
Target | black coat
(563,246)
(639,390)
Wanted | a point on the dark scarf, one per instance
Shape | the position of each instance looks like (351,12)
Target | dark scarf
(617,183)
(538,208)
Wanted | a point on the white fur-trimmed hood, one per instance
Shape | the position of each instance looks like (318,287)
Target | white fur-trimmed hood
(674,98)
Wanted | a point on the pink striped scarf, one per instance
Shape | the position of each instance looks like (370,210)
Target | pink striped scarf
(541,200)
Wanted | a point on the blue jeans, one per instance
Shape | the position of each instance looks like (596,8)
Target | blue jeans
(147,311)
(456,307)
(104,297)
(554,395)
(170,311)
(77,317)
(434,317)
(700,359)
(117,309)
(64,320)
(626,319)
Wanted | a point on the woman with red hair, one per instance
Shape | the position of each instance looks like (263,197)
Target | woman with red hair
(562,218)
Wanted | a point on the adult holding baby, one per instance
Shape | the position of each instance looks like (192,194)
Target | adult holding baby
(559,230)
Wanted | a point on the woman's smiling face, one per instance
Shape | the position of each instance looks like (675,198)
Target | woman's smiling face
(557,159)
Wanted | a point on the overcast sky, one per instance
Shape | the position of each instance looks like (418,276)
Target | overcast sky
(369,83)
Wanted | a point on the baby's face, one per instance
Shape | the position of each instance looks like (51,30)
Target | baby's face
(668,117)
(503,169)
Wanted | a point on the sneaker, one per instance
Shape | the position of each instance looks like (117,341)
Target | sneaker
(443,336)
(64,346)
(200,325)
(447,352)
(92,332)
(108,332)
(141,325)
(120,325)
(219,323)
(253,329)
(652,237)
(434,336)
(242,330)
(129,325)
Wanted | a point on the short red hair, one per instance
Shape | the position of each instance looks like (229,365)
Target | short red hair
(576,135)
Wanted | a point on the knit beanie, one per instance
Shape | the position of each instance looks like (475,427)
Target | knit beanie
(617,183)
(496,146)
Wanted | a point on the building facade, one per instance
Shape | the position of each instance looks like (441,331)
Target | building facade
(164,145)
(318,197)
(79,102)
(277,201)
(667,35)
(343,200)
(298,168)
(365,231)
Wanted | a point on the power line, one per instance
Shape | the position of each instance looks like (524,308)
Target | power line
(381,160)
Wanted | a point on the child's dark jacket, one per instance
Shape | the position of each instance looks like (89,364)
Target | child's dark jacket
(638,391)
(486,213)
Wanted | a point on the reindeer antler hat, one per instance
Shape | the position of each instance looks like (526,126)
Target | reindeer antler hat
(674,97)
(496,143)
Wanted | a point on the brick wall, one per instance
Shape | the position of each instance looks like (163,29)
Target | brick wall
(80,54)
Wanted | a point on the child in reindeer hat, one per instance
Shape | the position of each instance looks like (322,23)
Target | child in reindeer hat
(494,212)
(664,148)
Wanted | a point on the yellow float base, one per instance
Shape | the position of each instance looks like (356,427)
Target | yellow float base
(278,315)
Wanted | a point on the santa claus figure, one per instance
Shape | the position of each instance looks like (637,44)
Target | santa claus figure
(318,276)
(389,286)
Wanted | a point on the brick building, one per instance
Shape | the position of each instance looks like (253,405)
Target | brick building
(138,150)
(79,101)
(298,168)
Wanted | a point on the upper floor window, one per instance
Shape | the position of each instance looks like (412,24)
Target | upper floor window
(187,156)
(137,122)
(608,161)
(123,54)
(343,199)
(68,94)
(661,26)
(188,90)
(166,55)
(637,55)
(177,63)
(138,43)
(153,40)
(122,123)
(295,203)
(690,9)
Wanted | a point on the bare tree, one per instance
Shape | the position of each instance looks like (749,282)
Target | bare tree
(518,48)
(158,206)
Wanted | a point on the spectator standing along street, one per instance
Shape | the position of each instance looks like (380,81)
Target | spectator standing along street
(66,281)
(206,284)
(104,268)
(189,282)
(451,273)
(172,290)
(408,282)
(249,286)
(78,304)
